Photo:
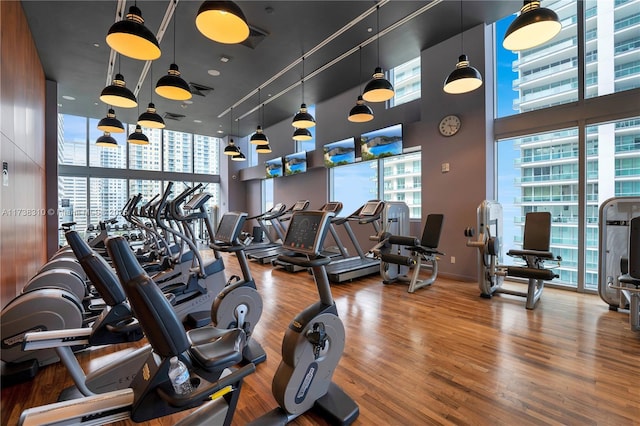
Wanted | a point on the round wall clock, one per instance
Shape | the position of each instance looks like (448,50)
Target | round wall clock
(449,125)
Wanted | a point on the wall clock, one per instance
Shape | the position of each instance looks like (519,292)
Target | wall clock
(449,125)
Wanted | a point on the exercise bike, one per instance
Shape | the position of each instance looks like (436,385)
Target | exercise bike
(314,341)
(151,394)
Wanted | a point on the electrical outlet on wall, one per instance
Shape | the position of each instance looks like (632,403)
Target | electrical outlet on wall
(453,259)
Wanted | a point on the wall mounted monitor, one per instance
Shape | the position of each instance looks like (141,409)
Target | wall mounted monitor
(340,153)
(274,167)
(295,163)
(381,143)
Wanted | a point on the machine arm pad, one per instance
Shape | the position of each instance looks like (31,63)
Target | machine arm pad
(397,259)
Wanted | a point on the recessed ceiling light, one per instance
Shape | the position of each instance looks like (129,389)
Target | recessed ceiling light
(220,131)
(214,73)
(197,121)
(59,105)
(95,103)
(224,59)
(369,29)
(69,98)
(96,45)
(188,102)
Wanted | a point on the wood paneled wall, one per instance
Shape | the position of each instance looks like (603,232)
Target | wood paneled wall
(22,118)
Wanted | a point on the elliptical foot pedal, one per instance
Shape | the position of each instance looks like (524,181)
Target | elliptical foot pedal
(198,319)
(18,372)
(337,407)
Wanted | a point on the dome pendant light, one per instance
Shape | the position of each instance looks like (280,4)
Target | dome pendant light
(151,119)
(231,149)
(259,138)
(360,113)
(110,123)
(117,94)
(303,120)
(240,156)
(131,38)
(172,86)
(263,149)
(106,141)
(222,21)
(534,26)
(464,78)
(302,135)
(137,137)
(379,89)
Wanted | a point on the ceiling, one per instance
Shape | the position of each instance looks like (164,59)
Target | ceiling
(70,38)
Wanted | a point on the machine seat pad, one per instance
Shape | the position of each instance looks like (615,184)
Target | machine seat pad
(428,251)
(536,253)
(628,279)
(220,353)
(531,273)
(206,334)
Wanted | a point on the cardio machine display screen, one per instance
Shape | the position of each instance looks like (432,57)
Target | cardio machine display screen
(306,232)
(229,227)
(370,208)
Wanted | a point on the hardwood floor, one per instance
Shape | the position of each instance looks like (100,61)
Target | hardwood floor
(440,356)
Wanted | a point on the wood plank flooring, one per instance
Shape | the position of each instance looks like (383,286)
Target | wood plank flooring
(441,356)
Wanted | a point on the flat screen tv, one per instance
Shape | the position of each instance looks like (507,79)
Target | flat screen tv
(295,163)
(274,167)
(340,153)
(381,143)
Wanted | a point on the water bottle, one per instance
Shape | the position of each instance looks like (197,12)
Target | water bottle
(179,376)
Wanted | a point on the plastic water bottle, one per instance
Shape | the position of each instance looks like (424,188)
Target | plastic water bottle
(179,376)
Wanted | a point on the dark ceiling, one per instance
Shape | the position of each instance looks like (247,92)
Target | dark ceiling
(70,38)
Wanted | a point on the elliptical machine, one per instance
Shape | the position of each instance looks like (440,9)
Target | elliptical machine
(314,341)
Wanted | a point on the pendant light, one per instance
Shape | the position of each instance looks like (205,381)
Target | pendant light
(360,113)
(259,138)
(240,156)
(110,123)
(137,137)
(172,86)
(231,149)
(150,118)
(534,26)
(263,149)
(131,38)
(302,135)
(106,141)
(464,78)
(379,89)
(117,94)
(303,120)
(222,21)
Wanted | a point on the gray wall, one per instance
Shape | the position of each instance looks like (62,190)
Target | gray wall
(469,153)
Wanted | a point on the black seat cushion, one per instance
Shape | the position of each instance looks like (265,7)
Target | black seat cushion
(222,351)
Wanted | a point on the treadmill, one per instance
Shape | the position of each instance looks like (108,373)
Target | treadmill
(268,254)
(272,216)
(350,268)
(335,207)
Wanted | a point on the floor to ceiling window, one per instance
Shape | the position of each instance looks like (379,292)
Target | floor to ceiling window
(569,171)
(96,182)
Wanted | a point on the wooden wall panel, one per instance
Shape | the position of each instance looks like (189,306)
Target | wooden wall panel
(22,202)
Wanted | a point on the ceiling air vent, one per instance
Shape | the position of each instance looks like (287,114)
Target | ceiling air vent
(199,89)
(173,116)
(256,35)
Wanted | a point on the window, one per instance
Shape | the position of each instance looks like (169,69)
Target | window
(400,182)
(541,77)
(267,194)
(405,79)
(178,152)
(146,157)
(88,199)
